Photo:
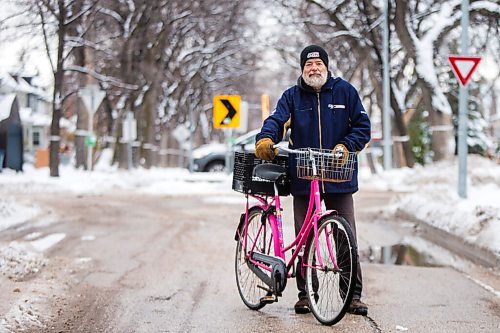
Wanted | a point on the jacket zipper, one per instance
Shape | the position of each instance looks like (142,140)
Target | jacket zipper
(320,139)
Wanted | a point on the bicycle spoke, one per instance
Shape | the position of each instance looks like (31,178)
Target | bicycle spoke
(330,289)
(259,238)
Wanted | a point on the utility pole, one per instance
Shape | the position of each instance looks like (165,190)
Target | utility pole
(191,133)
(386,120)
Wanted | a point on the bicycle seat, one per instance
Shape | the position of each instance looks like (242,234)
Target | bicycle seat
(271,172)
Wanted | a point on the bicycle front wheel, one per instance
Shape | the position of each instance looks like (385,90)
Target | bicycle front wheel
(330,286)
(259,238)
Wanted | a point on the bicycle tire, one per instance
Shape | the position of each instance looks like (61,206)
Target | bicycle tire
(249,285)
(330,292)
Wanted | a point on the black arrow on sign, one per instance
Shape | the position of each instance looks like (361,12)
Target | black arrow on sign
(230,114)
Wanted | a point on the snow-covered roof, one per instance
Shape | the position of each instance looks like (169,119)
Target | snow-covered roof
(7,81)
(11,84)
(34,118)
(6,105)
(44,119)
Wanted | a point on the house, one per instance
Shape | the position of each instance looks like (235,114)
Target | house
(34,109)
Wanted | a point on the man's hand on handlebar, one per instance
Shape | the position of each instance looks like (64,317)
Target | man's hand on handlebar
(264,149)
(341,153)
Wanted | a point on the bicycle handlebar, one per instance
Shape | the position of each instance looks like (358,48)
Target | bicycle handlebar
(288,150)
(304,151)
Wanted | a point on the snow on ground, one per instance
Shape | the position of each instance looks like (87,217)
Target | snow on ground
(429,193)
(173,181)
(12,213)
(18,261)
(22,258)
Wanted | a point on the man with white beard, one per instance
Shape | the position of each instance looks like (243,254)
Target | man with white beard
(326,113)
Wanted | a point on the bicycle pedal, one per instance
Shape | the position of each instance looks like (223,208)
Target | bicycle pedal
(268,299)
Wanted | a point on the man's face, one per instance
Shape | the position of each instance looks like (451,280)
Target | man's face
(315,73)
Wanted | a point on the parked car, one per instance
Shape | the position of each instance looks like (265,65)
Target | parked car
(212,157)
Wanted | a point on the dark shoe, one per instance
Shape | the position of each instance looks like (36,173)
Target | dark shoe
(302,306)
(357,307)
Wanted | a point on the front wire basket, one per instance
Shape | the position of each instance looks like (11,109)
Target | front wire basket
(329,167)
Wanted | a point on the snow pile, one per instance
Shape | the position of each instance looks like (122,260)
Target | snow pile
(13,213)
(430,194)
(20,318)
(17,262)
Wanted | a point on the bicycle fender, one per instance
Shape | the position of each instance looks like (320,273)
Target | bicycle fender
(242,222)
(240,226)
(329,212)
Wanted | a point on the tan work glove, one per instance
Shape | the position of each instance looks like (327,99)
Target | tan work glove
(340,153)
(264,149)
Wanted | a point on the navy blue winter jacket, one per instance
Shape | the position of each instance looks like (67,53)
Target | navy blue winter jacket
(320,120)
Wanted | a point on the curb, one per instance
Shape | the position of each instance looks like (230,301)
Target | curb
(453,243)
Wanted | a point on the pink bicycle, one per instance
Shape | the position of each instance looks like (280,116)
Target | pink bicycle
(325,242)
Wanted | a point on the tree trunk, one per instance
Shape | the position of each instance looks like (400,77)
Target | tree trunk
(403,131)
(148,147)
(441,123)
(55,130)
(80,113)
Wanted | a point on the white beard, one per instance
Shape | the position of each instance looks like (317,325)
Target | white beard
(315,81)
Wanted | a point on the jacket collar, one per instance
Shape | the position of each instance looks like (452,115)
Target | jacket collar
(330,82)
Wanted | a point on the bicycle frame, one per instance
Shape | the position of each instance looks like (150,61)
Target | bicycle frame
(325,245)
(310,221)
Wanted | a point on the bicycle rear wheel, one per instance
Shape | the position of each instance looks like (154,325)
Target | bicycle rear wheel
(329,288)
(250,287)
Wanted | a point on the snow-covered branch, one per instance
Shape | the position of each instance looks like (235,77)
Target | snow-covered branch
(102,78)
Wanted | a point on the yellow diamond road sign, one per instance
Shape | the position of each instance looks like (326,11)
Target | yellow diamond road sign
(227,111)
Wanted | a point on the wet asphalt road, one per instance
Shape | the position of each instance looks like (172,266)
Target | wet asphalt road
(165,264)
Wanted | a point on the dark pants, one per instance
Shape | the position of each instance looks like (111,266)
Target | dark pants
(341,202)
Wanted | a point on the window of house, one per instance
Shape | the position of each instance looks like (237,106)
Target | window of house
(36,138)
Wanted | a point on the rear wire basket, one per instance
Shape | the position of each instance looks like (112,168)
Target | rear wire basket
(244,163)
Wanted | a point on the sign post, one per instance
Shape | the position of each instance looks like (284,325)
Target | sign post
(227,116)
(463,67)
(92,97)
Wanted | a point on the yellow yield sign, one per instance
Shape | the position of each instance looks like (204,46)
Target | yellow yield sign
(227,111)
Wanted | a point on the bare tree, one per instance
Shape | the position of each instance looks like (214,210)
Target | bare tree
(178,54)
(351,31)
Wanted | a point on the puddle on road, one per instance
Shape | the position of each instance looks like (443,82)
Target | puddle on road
(399,254)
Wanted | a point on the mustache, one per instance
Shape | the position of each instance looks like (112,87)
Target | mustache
(316,75)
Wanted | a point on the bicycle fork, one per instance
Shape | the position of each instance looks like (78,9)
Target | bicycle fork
(316,216)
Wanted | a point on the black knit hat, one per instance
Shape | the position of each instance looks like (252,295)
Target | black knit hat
(311,52)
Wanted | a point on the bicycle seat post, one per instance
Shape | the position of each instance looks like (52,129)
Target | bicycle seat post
(279,220)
